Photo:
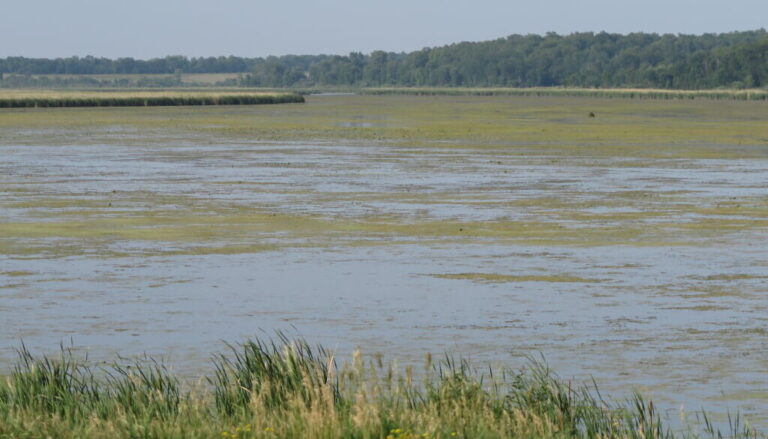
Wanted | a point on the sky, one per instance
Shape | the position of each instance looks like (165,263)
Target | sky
(155,28)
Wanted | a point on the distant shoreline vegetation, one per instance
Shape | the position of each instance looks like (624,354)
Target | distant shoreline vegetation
(736,60)
(619,93)
(48,99)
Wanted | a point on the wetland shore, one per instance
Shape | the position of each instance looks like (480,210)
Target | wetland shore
(755,94)
(629,246)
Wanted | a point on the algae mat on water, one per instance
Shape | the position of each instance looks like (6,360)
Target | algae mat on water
(458,169)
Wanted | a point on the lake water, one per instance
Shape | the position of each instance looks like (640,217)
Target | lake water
(646,273)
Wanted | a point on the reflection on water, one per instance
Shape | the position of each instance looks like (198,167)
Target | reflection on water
(686,323)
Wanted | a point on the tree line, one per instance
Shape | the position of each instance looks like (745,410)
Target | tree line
(90,65)
(645,60)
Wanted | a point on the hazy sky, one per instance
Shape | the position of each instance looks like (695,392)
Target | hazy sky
(152,28)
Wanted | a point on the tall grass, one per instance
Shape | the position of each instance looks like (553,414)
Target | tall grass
(43,99)
(275,371)
(69,388)
(286,388)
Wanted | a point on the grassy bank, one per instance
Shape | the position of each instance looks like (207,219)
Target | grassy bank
(627,93)
(289,389)
(43,98)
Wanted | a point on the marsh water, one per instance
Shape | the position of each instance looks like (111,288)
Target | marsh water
(616,248)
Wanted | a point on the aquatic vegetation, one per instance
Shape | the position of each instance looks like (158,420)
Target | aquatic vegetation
(756,94)
(44,99)
(285,388)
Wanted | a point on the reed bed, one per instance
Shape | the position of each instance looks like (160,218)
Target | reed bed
(285,388)
(56,99)
(626,93)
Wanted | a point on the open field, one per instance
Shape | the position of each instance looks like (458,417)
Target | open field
(29,98)
(629,246)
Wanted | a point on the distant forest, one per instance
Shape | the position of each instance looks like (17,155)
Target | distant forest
(730,60)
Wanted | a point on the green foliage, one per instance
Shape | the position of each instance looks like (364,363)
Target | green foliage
(144,388)
(68,387)
(276,372)
(63,386)
(577,60)
(628,93)
(107,99)
(104,66)
(285,388)
(734,60)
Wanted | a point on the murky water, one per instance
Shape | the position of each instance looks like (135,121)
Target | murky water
(678,312)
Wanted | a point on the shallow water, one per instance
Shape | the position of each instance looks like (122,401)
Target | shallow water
(645,273)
